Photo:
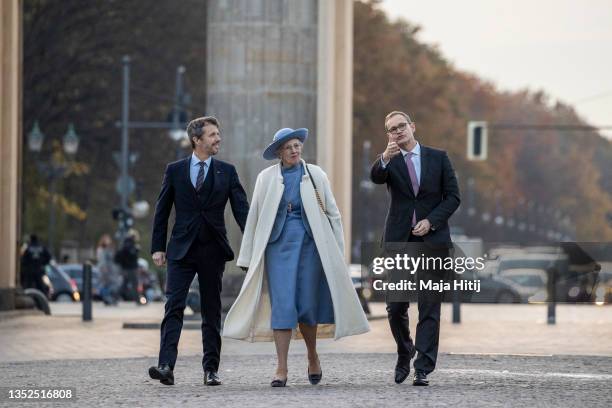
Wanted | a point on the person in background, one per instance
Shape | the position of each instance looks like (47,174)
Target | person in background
(33,261)
(127,258)
(110,278)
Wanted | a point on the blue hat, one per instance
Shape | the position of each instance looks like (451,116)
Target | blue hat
(281,137)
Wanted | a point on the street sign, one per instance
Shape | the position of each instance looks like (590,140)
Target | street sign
(125,186)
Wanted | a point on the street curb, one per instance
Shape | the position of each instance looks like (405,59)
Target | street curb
(12,314)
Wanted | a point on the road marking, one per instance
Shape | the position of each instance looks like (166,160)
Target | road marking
(502,354)
(506,373)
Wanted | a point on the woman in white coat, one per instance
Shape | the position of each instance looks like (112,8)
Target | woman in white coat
(293,247)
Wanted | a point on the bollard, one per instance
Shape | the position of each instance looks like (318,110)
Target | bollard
(86,295)
(552,297)
(456,307)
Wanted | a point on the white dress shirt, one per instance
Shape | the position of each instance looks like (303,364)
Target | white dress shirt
(194,168)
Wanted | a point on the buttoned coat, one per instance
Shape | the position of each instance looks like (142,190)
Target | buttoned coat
(249,316)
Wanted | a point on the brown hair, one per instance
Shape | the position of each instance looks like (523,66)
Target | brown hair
(394,113)
(105,241)
(195,128)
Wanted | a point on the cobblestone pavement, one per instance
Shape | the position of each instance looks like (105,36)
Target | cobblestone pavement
(483,362)
(504,329)
(349,380)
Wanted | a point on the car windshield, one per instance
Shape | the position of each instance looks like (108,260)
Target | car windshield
(74,273)
(527,280)
(525,263)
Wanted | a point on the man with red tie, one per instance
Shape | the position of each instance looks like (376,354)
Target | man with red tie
(424,194)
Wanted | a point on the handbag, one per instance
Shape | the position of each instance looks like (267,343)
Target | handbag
(314,186)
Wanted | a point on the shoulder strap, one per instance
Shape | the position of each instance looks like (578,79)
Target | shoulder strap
(314,186)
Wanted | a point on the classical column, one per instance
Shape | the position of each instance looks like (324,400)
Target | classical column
(10,147)
(261,76)
(283,63)
(335,103)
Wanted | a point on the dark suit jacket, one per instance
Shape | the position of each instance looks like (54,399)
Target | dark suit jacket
(437,200)
(177,190)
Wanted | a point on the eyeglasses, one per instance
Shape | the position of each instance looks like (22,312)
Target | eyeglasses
(401,127)
(295,146)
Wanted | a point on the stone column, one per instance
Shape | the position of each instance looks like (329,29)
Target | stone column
(10,147)
(335,103)
(283,63)
(261,76)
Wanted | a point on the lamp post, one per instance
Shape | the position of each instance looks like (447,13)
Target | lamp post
(177,133)
(52,170)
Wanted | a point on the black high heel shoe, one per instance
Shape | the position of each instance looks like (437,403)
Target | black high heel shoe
(278,383)
(314,378)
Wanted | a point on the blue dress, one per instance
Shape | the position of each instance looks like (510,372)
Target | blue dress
(296,281)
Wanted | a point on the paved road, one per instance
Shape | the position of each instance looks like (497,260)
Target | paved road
(570,364)
(349,380)
(502,329)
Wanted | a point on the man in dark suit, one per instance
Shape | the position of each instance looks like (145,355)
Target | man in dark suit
(198,187)
(424,194)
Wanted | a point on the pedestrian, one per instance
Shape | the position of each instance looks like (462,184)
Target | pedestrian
(199,187)
(127,258)
(424,194)
(110,278)
(293,247)
(34,259)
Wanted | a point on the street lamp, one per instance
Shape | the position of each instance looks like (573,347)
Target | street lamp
(35,138)
(52,170)
(71,140)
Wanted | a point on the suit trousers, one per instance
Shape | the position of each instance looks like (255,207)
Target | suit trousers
(207,261)
(428,326)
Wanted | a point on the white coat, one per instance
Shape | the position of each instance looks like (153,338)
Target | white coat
(250,315)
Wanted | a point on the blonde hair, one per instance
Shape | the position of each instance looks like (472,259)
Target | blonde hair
(395,113)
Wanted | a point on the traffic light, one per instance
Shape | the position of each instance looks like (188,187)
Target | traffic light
(477,140)
(124,219)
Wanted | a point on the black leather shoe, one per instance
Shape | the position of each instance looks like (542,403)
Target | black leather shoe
(420,378)
(277,382)
(401,373)
(211,378)
(315,378)
(163,373)
(402,367)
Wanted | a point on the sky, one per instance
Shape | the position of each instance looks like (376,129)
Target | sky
(563,47)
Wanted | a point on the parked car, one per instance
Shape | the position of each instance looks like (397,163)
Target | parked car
(573,283)
(533,260)
(530,283)
(75,271)
(64,287)
(493,289)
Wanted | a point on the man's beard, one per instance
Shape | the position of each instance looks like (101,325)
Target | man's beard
(213,150)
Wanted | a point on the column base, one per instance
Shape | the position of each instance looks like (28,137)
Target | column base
(7,298)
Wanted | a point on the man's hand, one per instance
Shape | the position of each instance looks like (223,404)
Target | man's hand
(159,258)
(421,228)
(392,150)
